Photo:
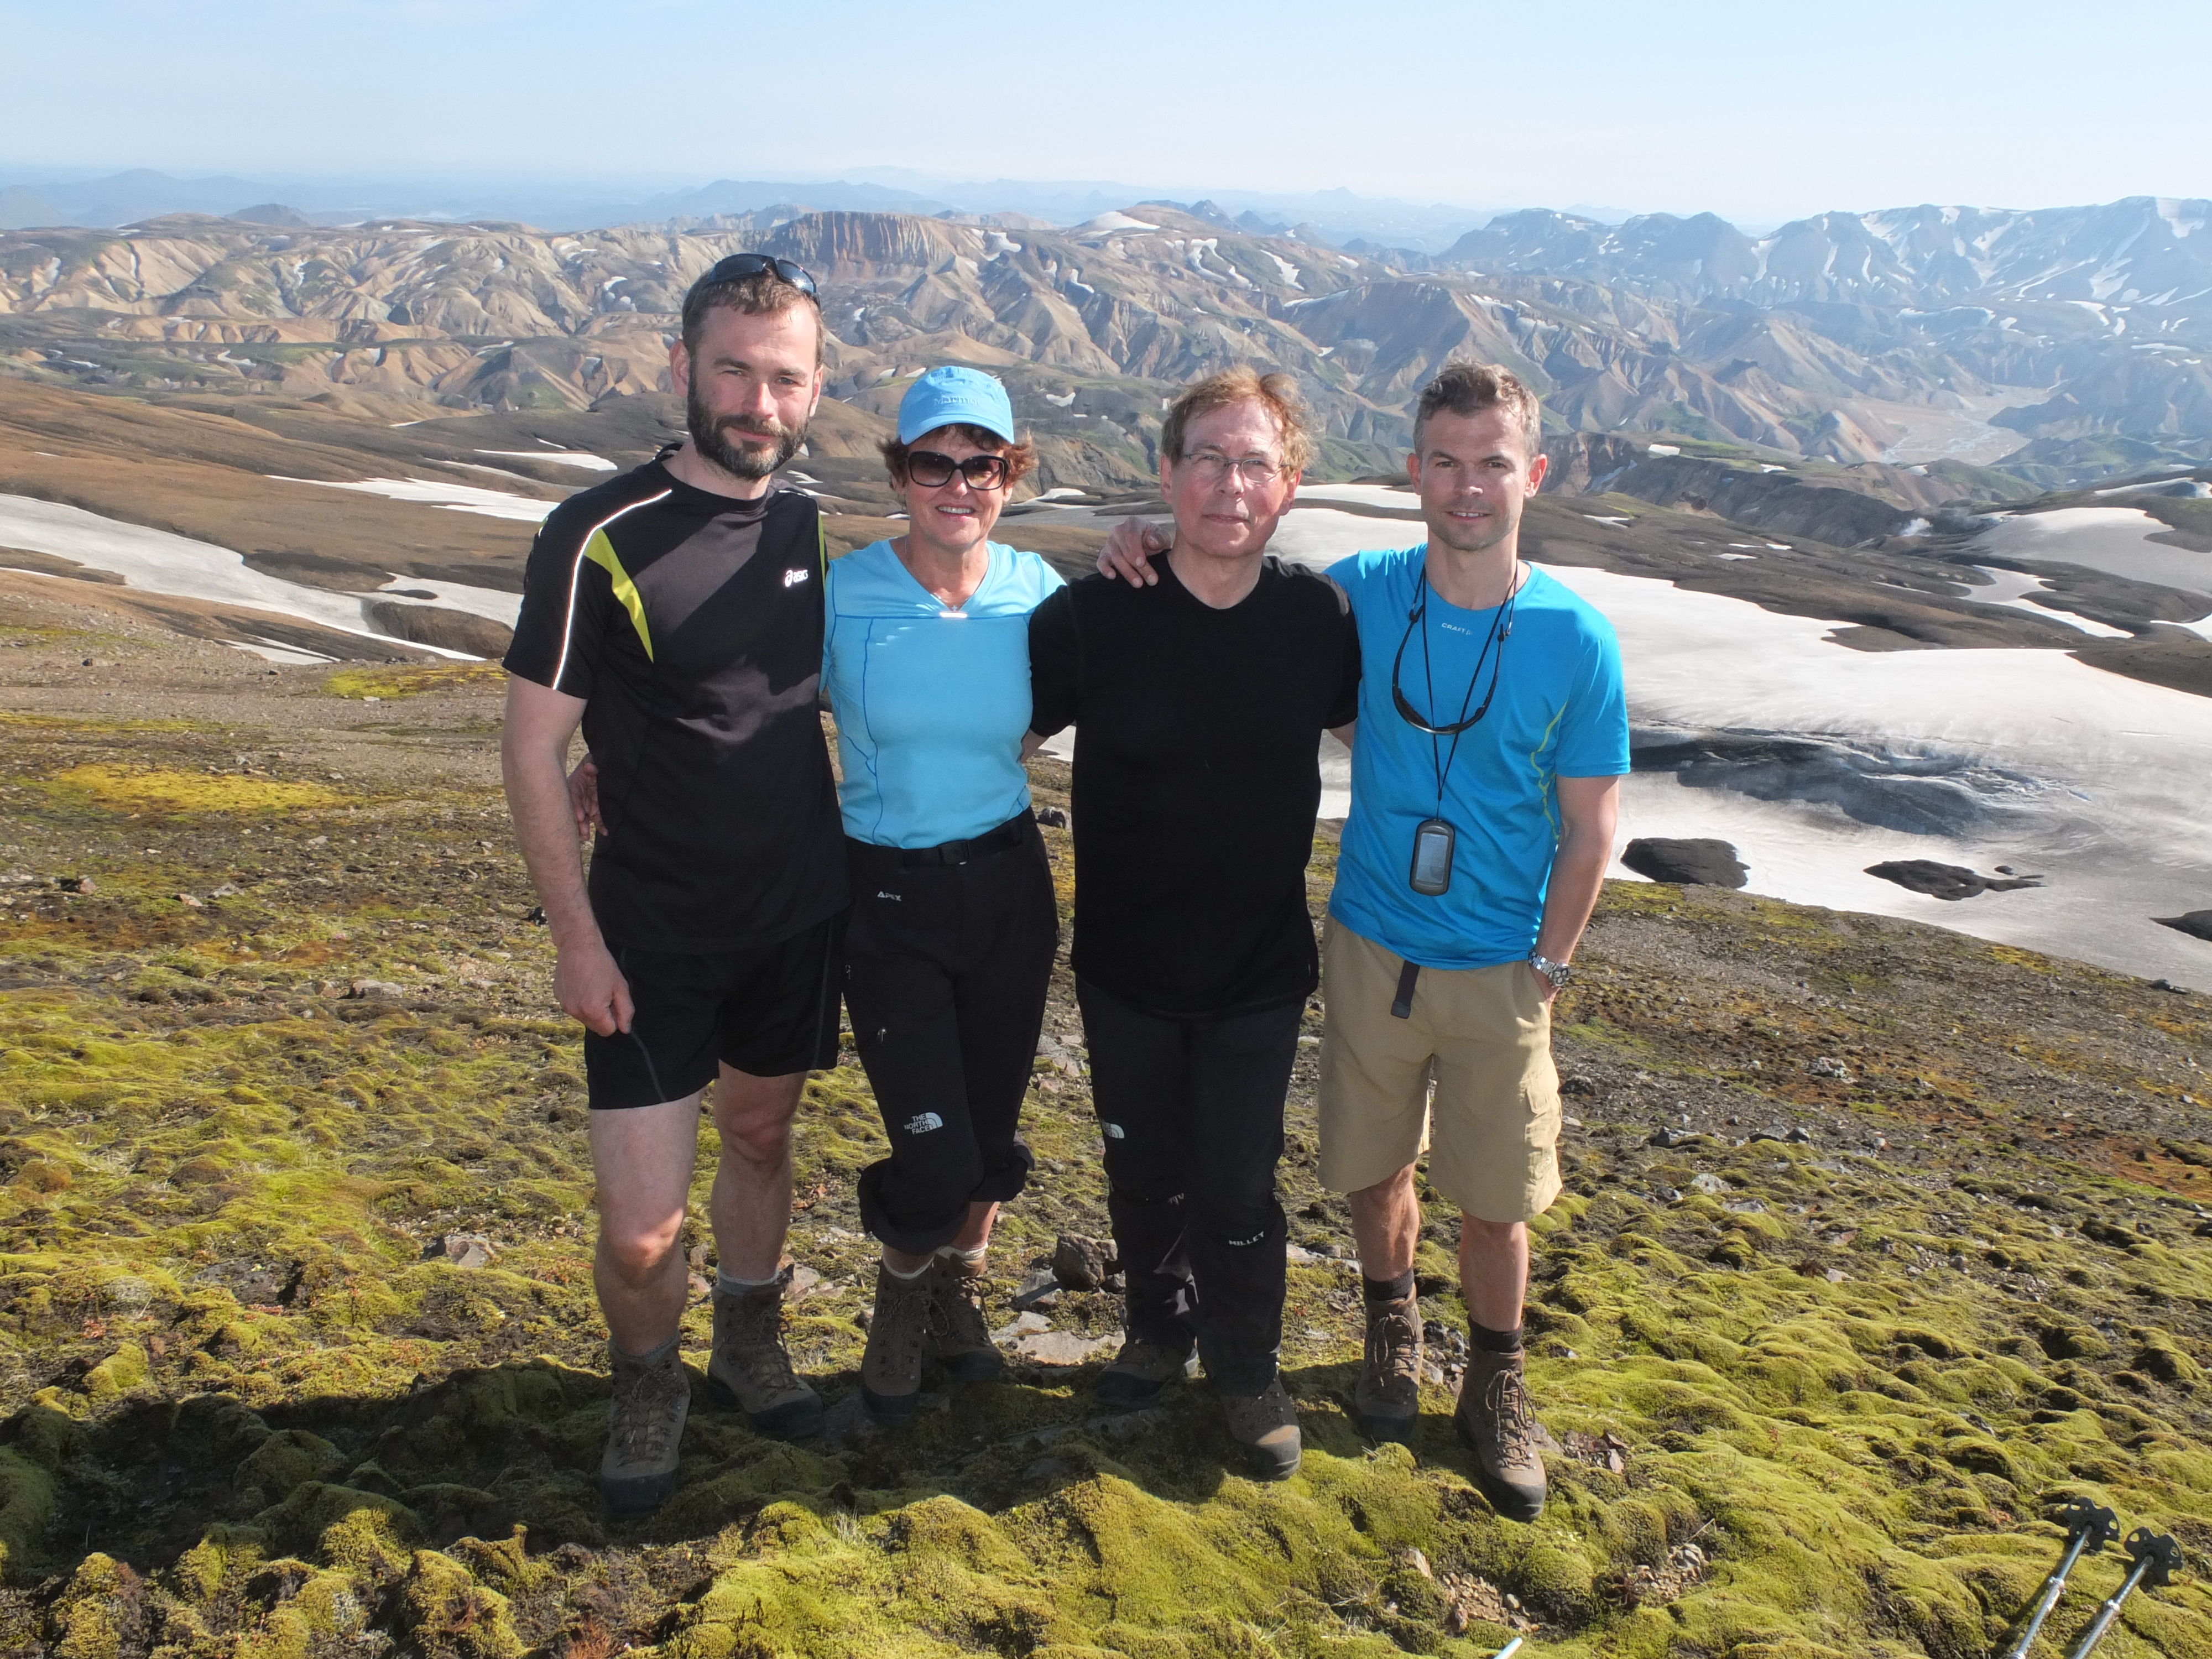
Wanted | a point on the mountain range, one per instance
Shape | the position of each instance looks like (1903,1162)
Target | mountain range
(2001,353)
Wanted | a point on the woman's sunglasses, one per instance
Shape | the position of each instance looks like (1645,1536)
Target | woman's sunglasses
(932,470)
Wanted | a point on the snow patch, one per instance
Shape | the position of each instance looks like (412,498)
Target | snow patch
(453,498)
(577,457)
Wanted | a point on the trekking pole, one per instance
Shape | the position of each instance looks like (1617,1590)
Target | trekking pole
(1506,1652)
(2089,1530)
(2157,1559)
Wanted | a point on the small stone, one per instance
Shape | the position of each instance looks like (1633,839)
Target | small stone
(1061,1347)
(1801,1134)
(190,902)
(803,1283)
(1455,1619)
(1419,1563)
(374,987)
(75,884)
(1081,1263)
(1616,1462)
(468,1249)
(1052,817)
(1706,1182)
(229,889)
(1021,1325)
(1048,1468)
(1039,1290)
(701,1290)
(1835,1275)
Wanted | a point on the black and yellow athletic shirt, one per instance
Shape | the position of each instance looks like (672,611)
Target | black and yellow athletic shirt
(690,623)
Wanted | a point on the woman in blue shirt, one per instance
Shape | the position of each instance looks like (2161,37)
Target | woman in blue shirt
(954,922)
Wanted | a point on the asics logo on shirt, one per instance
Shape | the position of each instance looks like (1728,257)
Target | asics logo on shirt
(792,578)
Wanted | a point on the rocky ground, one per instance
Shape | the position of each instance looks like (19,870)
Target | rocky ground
(1878,1241)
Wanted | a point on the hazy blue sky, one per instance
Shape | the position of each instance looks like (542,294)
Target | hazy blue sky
(1762,112)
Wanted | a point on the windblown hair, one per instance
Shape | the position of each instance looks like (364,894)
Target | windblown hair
(1465,388)
(1278,394)
(1021,458)
(763,294)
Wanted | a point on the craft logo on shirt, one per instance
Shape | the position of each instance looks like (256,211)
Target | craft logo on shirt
(792,578)
(1449,627)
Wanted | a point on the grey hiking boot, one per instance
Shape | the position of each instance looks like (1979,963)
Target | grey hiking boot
(645,1428)
(751,1369)
(1266,1424)
(1494,1418)
(898,1341)
(1140,1371)
(1387,1404)
(959,1336)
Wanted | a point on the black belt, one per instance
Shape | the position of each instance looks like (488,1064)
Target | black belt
(1007,836)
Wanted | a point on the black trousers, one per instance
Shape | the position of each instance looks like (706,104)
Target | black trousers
(1192,1113)
(946,971)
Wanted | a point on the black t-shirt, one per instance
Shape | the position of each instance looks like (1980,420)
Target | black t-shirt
(1197,777)
(691,625)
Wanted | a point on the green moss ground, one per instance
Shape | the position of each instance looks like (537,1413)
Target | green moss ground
(255,1411)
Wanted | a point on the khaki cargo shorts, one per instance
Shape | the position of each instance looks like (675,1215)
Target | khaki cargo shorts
(1492,1126)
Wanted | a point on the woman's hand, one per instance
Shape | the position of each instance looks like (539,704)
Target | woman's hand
(1128,552)
(584,798)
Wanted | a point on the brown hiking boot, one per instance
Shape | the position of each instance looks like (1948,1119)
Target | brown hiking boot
(1140,1371)
(898,1341)
(959,1336)
(751,1369)
(645,1428)
(1494,1418)
(1388,1401)
(1266,1424)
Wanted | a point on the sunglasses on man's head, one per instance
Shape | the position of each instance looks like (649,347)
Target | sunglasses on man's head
(738,266)
(932,470)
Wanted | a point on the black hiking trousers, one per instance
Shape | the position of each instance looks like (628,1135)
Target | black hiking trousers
(1192,1115)
(948,953)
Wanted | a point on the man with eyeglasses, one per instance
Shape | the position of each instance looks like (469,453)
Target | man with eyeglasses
(1492,737)
(676,614)
(1199,703)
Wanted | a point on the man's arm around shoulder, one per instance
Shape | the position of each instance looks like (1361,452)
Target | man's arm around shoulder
(533,756)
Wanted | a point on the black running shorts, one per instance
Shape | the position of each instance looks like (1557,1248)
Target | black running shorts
(770,1012)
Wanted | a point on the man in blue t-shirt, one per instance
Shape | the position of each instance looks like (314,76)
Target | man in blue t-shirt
(1492,737)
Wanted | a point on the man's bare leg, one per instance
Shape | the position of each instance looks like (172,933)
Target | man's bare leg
(1493,1270)
(641,1163)
(750,1206)
(975,1234)
(1386,1225)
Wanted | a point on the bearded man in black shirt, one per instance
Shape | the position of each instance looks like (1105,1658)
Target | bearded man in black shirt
(676,614)
(1199,705)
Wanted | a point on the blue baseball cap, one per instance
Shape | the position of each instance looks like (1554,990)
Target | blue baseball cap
(955,397)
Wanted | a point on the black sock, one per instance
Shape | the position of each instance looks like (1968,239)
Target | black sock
(1389,1290)
(1492,1341)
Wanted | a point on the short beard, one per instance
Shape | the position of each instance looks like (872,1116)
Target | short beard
(707,437)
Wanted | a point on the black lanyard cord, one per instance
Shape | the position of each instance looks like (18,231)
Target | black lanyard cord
(1500,629)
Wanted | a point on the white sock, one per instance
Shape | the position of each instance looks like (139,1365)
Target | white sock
(731,1286)
(906,1278)
(967,1258)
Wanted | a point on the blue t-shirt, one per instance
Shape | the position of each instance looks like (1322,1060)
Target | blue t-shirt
(1559,711)
(930,703)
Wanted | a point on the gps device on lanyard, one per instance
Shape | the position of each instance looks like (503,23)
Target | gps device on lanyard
(1435,840)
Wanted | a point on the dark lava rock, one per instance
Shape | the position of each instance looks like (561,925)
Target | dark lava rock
(1080,1263)
(1945,881)
(431,624)
(2197,924)
(1690,863)
(1052,817)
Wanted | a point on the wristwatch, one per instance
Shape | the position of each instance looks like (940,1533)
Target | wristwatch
(1558,972)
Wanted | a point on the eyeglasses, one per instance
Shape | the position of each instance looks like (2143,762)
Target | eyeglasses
(1213,467)
(738,266)
(932,470)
